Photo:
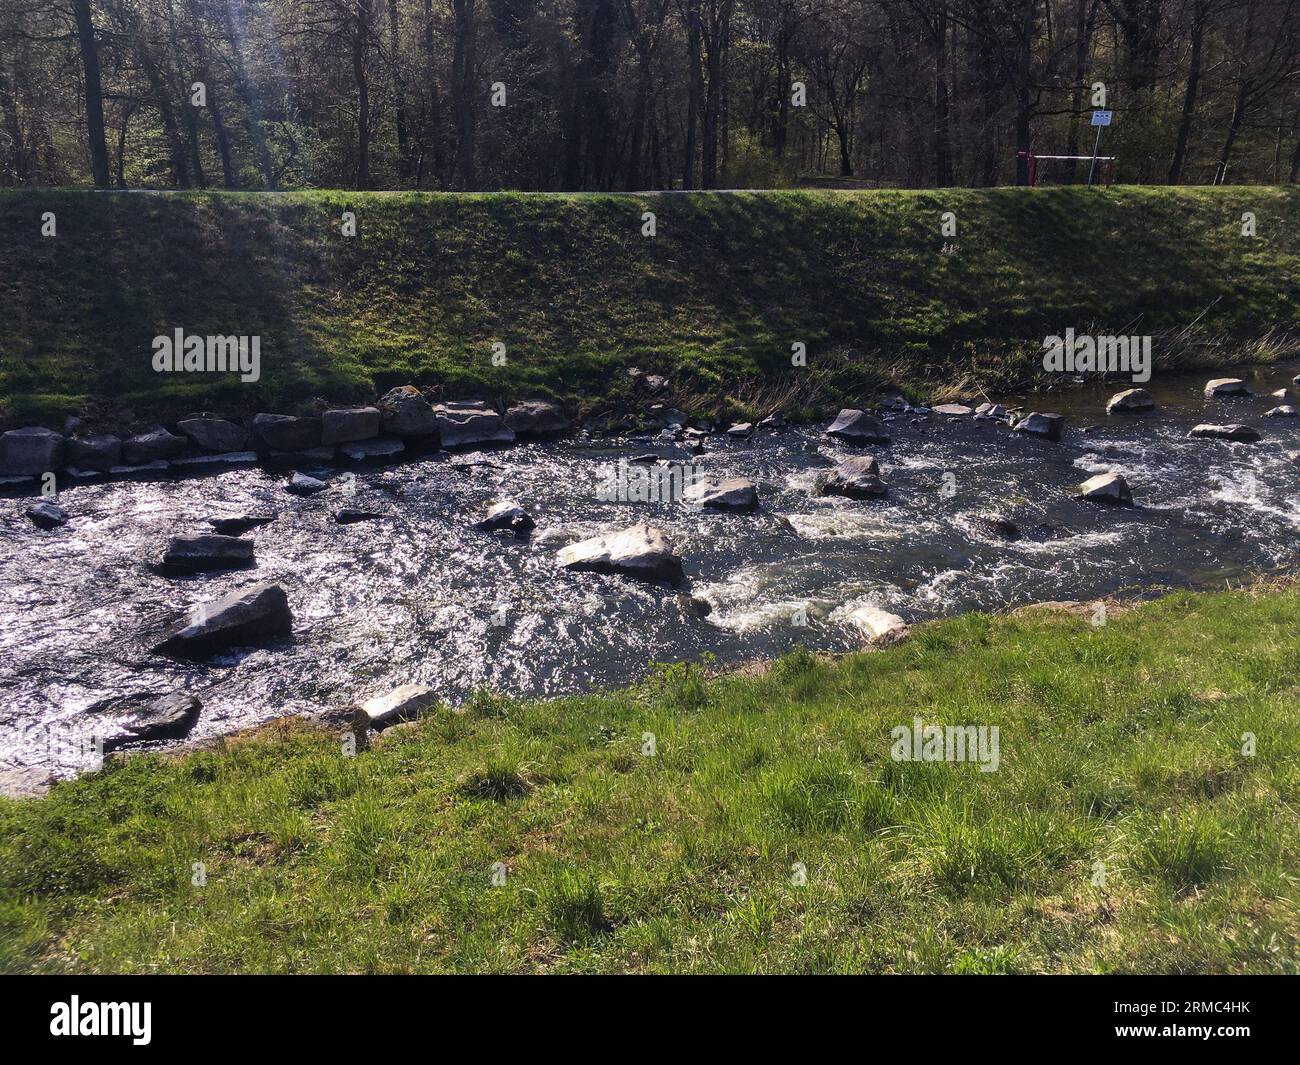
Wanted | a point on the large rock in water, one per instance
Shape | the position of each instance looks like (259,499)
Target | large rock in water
(1226,386)
(214,434)
(253,616)
(283,432)
(506,514)
(32,450)
(47,515)
(858,427)
(641,551)
(1242,433)
(170,718)
(302,484)
(241,523)
(875,623)
(536,417)
(470,423)
(400,704)
(351,424)
(208,551)
(1283,411)
(1046,425)
(1106,488)
(100,453)
(856,478)
(154,446)
(957,410)
(1131,399)
(734,493)
(405,412)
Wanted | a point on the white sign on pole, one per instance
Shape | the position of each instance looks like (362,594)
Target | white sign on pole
(1101,118)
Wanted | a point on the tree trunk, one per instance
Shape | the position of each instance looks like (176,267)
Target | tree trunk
(360,43)
(694,91)
(462,76)
(1189,94)
(94,93)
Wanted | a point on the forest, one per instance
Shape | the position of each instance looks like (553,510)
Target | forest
(642,94)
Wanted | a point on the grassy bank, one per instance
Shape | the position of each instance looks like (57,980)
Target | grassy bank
(1120,745)
(577,294)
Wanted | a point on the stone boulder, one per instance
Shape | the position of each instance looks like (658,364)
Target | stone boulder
(640,551)
(157,445)
(997,524)
(405,412)
(990,410)
(100,453)
(1226,386)
(959,410)
(205,552)
(214,434)
(1242,433)
(1044,425)
(241,523)
(876,624)
(858,427)
(283,432)
(469,424)
(506,515)
(32,450)
(855,478)
(401,704)
(741,430)
(300,484)
(170,718)
(775,420)
(733,493)
(47,515)
(1108,488)
(252,616)
(1129,401)
(1284,411)
(348,516)
(537,417)
(348,425)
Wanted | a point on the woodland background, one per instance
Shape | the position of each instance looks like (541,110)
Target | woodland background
(641,94)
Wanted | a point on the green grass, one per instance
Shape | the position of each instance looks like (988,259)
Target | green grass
(577,294)
(1125,830)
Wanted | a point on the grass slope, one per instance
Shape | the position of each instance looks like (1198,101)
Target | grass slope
(577,294)
(1120,745)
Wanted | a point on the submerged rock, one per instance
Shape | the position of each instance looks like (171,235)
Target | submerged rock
(1130,400)
(998,525)
(733,493)
(364,450)
(401,704)
(47,515)
(1106,488)
(1045,425)
(252,616)
(506,515)
(208,551)
(300,484)
(640,551)
(348,516)
(1226,386)
(241,523)
(855,478)
(170,718)
(858,427)
(1236,431)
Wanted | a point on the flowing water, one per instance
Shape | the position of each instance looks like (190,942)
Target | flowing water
(420,596)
